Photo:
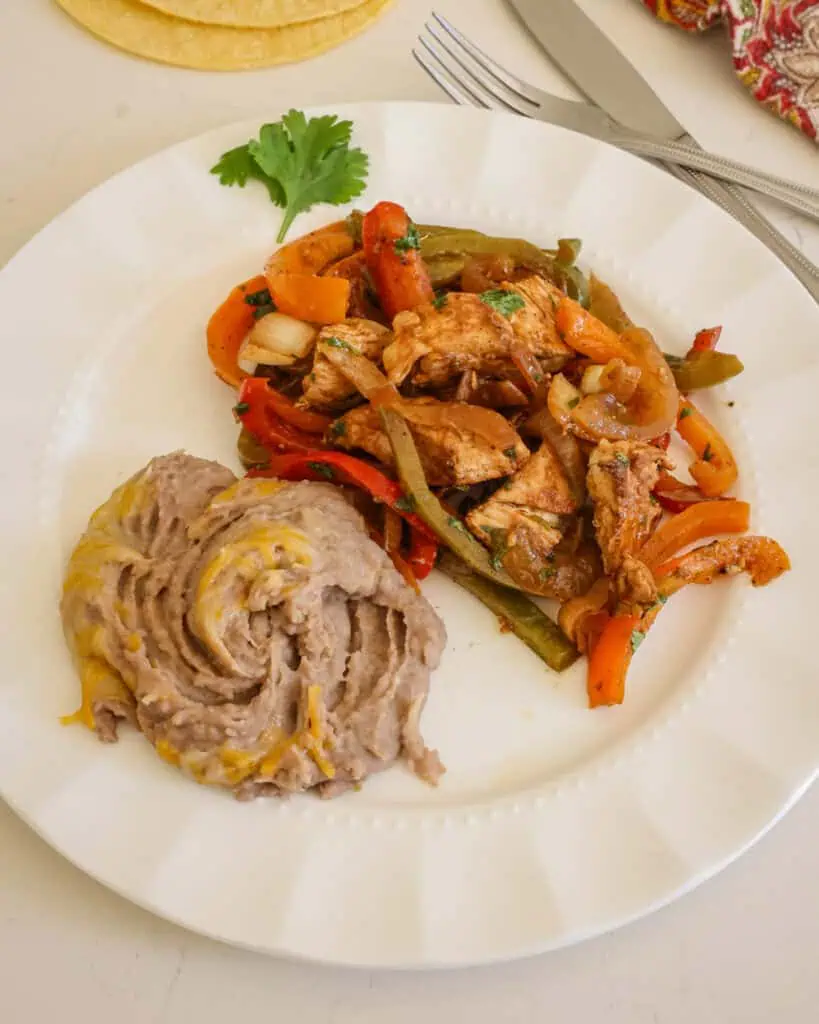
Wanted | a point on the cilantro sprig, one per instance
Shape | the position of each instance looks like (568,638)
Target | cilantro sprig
(300,162)
(503,302)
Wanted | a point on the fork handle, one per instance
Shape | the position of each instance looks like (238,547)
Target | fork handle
(734,202)
(798,197)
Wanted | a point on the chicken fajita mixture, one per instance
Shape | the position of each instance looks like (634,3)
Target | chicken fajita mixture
(493,412)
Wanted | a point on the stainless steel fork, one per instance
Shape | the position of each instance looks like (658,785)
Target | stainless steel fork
(471,77)
(477,79)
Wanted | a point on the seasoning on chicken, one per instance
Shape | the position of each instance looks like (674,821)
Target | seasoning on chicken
(326,387)
(525,520)
(458,444)
(620,479)
(634,586)
(440,340)
(534,323)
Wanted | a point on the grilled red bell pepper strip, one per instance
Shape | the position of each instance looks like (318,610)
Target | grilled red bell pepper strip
(284,408)
(706,340)
(392,251)
(302,419)
(318,464)
(259,412)
(674,495)
(423,553)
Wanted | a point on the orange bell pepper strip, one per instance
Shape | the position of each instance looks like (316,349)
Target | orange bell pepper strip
(698,521)
(609,661)
(589,336)
(228,328)
(762,558)
(313,253)
(354,269)
(405,570)
(319,300)
(393,257)
(715,469)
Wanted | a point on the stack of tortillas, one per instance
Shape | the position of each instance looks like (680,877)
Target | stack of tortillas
(225,35)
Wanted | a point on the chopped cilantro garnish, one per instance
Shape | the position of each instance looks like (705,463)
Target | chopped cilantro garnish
(322,469)
(300,162)
(547,572)
(510,453)
(241,408)
(334,342)
(406,503)
(456,524)
(636,639)
(707,454)
(573,402)
(338,429)
(411,240)
(622,458)
(501,301)
(260,311)
(685,411)
(440,300)
(499,546)
(259,298)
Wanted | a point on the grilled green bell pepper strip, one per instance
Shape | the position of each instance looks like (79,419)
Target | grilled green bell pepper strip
(606,306)
(703,369)
(448,528)
(438,244)
(522,616)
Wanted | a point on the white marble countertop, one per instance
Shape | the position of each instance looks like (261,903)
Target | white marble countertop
(742,948)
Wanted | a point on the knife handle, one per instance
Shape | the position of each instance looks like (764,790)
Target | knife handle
(801,198)
(734,202)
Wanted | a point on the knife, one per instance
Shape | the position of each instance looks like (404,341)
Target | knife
(589,59)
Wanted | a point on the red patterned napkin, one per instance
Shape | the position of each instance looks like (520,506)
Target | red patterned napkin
(776,49)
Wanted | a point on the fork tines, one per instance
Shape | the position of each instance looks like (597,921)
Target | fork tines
(467,74)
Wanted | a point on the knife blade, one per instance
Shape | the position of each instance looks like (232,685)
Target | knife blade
(589,59)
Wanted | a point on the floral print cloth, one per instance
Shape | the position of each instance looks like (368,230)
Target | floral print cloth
(775,44)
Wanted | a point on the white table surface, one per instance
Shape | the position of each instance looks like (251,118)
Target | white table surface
(742,948)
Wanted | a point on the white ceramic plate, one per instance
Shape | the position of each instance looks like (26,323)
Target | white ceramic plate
(553,822)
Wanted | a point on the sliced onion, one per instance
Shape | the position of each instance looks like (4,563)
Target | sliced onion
(651,411)
(591,384)
(362,373)
(276,340)
(562,399)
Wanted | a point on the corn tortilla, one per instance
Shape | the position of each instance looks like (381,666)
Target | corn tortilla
(146,32)
(253,13)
